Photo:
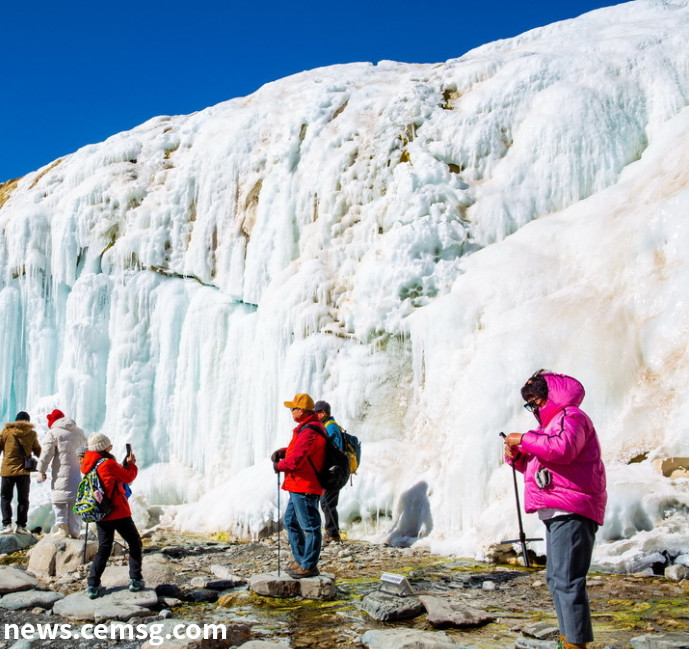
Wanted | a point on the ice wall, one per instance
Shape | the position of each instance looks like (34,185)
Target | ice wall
(407,241)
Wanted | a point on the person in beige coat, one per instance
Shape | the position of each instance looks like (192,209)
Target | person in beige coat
(17,441)
(60,453)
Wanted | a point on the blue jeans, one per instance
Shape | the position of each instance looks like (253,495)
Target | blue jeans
(303,525)
(569,545)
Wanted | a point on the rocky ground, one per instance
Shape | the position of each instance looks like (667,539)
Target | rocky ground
(624,606)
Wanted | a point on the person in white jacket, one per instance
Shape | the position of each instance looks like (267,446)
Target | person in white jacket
(60,449)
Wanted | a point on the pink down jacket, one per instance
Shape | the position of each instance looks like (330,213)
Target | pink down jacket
(566,444)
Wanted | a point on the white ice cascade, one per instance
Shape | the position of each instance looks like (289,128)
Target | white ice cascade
(409,242)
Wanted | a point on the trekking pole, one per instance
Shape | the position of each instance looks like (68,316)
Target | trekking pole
(522,540)
(277,475)
(86,540)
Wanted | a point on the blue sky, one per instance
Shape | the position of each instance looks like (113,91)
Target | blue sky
(76,72)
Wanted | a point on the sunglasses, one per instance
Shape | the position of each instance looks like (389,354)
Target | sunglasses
(531,406)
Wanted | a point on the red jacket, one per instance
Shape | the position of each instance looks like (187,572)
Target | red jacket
(113,477)
(306,443)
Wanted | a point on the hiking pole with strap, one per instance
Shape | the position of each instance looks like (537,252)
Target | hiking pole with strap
(86,540)
(277,475)
(522,540)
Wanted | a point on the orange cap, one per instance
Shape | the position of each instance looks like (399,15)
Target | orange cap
(303,401)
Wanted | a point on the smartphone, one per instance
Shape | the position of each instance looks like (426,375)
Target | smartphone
(128,448)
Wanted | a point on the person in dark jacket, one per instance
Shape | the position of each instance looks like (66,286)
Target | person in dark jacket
(331,497)
(113,477)
(18,440)
(300,461)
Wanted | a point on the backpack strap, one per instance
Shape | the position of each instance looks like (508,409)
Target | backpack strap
(95,468)
(340,435)
(315,429)
(97,464)
(21,446)
(318,431)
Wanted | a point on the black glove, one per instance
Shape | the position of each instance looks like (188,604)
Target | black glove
(277,455)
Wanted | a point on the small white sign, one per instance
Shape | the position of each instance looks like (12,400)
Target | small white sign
(395,584)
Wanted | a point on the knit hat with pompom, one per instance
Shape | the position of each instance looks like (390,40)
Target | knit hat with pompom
(99,442)
(53,416)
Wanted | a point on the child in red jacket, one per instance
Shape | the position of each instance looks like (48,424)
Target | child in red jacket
(113,477)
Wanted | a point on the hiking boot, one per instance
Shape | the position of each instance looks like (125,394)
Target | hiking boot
(331,538)
(21,530)
(7,529)
(95,591)
(571,645)
(135,585)
(303,573)
(293,566)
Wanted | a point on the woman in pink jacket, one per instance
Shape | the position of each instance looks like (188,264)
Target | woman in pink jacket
(564,481)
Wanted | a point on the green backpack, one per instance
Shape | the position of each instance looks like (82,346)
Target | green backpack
(92,505)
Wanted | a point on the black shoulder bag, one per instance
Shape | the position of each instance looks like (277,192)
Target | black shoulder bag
(30,462)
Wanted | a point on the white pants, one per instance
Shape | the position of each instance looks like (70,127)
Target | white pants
(65,517)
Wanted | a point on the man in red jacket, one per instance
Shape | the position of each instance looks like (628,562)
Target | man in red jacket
(300,461)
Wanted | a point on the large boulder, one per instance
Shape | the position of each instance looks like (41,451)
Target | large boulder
(58,556)
(157,569)
(30,599)
(119,604)
(408,639)
(321,587)
(270,584)
(389,608)
(10,543)
(13,580)
(442,614)
(661,641)
(676,572)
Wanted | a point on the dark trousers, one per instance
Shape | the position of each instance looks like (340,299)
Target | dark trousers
(106,535)
(569,546)
(23,483)
(331,518)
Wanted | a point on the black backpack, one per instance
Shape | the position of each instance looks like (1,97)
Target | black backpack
(335,472)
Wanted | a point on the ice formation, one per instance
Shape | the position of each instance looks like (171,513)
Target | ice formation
(409,242)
